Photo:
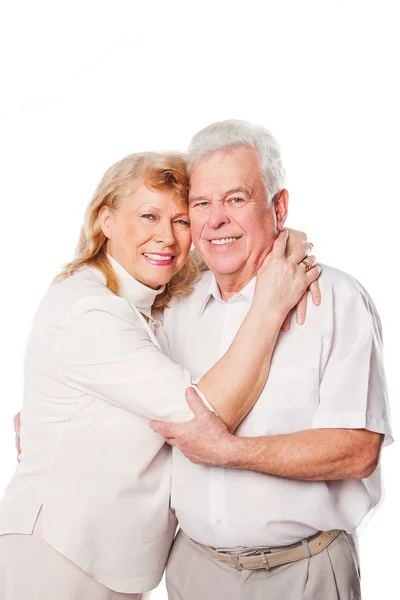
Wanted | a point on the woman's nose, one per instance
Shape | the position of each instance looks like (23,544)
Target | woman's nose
(165,235)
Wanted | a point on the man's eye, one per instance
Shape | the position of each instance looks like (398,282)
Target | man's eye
(236,200)
(148,216)
(201,204)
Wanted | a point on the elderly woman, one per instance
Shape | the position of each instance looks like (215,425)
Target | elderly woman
(86,514)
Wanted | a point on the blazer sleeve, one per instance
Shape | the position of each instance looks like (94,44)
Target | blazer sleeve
(106,352)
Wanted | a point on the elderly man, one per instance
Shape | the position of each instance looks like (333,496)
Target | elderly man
(271,511)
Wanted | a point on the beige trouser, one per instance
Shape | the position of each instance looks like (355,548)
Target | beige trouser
(31,570)
(331,575)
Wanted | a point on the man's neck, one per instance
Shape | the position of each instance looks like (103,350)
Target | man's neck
(232,283)
(229,286)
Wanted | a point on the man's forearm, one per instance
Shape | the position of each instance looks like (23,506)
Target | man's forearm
(313,455)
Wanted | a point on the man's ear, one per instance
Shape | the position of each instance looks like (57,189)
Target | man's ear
(105,215)
(281,202)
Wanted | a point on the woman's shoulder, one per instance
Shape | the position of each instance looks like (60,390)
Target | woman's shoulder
(93,300)
(70,290)
(83,293)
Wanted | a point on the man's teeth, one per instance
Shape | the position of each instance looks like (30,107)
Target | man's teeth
(158,256)
(224,241)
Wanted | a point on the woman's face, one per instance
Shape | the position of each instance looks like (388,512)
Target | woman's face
(148,234)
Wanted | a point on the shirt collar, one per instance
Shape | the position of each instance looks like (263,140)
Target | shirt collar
(131,289)
(213,291)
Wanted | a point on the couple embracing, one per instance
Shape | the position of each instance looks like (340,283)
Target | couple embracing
(275,427)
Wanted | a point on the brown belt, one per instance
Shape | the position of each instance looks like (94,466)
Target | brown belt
(266,559)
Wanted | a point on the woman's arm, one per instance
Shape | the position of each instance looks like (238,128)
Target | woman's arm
(105,351)
(235,382)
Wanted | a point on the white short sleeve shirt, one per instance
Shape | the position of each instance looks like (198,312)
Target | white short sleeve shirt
(327,373)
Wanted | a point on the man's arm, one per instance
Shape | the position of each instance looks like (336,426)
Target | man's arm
(345,434)
(312,455)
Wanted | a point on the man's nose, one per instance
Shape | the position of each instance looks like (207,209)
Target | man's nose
(218,215)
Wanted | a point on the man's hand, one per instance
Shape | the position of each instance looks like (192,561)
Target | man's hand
(17,429)
(295,239)
(204,440)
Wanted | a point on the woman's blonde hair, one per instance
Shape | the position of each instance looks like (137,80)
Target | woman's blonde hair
(157,171)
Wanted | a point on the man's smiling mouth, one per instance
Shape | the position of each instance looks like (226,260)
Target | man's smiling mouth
(223,241)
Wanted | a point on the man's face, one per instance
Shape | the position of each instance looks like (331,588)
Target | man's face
(233,225)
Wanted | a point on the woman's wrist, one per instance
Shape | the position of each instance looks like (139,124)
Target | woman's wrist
(269,313)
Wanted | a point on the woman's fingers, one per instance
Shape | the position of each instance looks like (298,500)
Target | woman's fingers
(301,309)
(315,293)
(313,274)
(295,239)
(300,253)
(286,322)
(308,263)
(279,247)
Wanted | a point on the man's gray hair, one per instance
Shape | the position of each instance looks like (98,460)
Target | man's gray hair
(225,135)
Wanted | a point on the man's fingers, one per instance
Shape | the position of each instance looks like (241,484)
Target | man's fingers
(17,429)
(171,441)
(17,423)
(301,309)
(167,430)
(286,322)
(315,293)
(18,446)
(195,403)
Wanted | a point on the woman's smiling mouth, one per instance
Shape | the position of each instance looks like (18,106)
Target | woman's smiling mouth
(161,260)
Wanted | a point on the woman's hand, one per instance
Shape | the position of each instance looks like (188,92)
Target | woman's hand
(283,280)
(295,239)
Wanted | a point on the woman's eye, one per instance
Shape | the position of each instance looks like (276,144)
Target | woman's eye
(182,222)
(148,216)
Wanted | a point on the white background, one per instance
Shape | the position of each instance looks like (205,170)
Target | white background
(84,83)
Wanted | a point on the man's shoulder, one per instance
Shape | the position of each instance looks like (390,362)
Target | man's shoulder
(345,289)
(339,280)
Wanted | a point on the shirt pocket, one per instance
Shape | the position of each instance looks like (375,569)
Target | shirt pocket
(288,402)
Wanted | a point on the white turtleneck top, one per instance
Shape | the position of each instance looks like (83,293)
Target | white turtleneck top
(95,376)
